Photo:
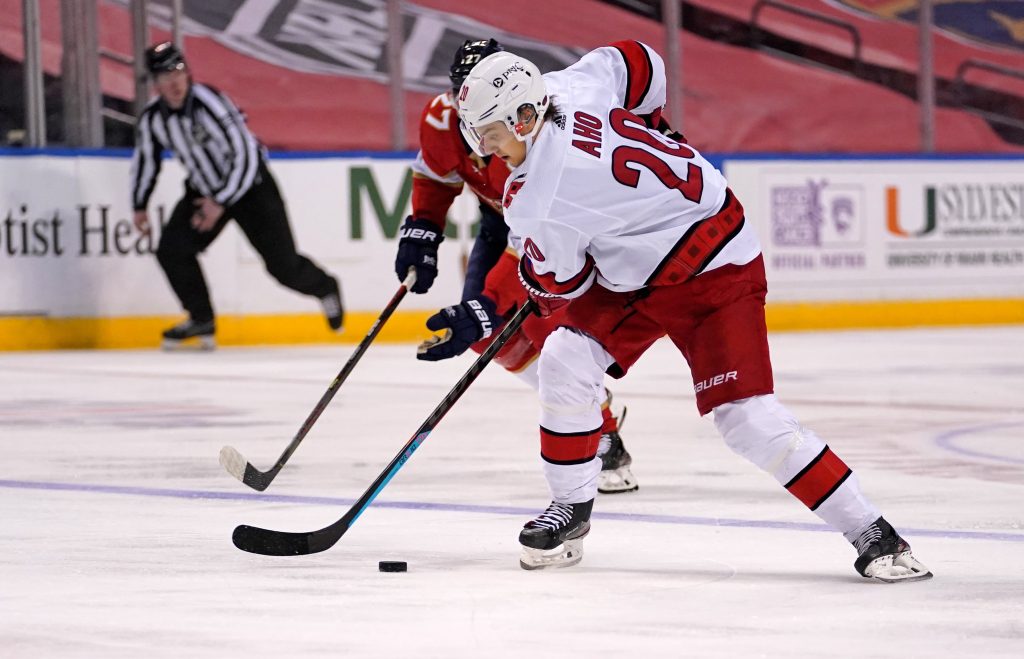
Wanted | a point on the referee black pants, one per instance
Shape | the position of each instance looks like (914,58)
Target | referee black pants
(262,217)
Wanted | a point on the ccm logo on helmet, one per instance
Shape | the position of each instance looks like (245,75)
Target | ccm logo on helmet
(714,381)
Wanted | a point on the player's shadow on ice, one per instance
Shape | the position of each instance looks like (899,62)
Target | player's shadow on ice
(701,575)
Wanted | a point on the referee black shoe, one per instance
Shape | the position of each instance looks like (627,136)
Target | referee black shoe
(190,334)
(333,309)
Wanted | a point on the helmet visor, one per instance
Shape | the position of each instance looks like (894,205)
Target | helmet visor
(487,139)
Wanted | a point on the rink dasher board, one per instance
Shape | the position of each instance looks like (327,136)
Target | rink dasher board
(848,242)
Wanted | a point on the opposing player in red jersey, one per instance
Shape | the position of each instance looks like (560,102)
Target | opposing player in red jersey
(637,237)
(491,292)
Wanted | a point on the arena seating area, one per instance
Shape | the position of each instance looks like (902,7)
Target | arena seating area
(737,99)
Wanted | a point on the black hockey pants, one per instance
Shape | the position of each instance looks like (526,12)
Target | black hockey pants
(261,215)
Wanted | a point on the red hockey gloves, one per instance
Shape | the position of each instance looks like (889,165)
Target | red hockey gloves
(466,323)
(417,248)
(547,303)
(656,121)
(662,127)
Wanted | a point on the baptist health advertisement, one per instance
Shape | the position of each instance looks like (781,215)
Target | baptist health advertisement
(847,243)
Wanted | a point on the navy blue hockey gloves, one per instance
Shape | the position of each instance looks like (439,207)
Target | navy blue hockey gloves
(467,322)
(417,248)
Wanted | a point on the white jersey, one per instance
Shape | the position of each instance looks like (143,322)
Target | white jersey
(599,189)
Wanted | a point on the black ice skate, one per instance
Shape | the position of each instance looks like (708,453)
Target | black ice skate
(555,538)
(885,556)
(190,333)
(333,309)
(616,476)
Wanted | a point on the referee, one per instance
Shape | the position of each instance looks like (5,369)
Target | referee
(227,179)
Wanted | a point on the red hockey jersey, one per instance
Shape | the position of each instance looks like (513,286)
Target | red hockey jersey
(444,163)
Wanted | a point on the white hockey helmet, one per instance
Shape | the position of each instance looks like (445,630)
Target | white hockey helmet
(502,87)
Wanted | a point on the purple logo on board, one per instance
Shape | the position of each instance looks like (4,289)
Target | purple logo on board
(815,214)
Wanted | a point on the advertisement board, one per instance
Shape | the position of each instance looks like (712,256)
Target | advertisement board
(68,249)
(847,243)
(877,230)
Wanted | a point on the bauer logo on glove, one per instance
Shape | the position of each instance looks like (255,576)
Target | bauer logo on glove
(417,249)
(419,234)
(464,324)
(486,326)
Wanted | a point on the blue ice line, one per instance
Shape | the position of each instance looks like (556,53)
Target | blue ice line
(946,441)
(685,520)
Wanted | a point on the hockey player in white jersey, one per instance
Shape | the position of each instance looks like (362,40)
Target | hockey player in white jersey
(645,239)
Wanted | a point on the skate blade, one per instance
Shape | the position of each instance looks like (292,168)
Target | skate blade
(567,554)
(617,481)
(897,568)
(192,344)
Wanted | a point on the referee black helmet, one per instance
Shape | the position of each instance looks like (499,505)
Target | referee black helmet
(466,57)
(164,57)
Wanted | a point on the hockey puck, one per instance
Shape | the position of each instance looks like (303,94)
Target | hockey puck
(392,566)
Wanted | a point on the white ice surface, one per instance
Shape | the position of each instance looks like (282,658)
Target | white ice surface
(116,519)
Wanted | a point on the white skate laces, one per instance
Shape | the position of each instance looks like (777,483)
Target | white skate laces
(555,517)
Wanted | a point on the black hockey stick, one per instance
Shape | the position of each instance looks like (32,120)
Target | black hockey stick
(283,543)
(242,469)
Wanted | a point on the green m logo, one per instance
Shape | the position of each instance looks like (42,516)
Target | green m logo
(362,184)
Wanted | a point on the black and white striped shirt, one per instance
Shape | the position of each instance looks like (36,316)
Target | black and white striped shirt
(208,135)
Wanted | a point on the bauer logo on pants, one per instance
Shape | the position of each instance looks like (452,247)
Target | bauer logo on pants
(713,381)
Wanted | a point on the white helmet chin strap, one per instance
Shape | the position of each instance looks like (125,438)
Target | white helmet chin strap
(532,137)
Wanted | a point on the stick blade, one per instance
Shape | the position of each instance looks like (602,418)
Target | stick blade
(270,543)
(234,462)
(236,465)
(283,543)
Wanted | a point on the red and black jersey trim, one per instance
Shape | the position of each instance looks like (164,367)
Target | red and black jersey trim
(639,71)
(547,283)
(818,480)
(569,448)
(701,243)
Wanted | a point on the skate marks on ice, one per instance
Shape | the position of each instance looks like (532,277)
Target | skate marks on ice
(106,558)
(126,413)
